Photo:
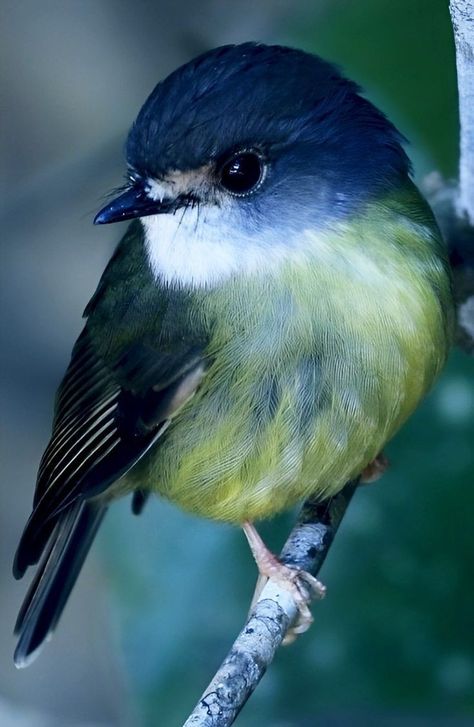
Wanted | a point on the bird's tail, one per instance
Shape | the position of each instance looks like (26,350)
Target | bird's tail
(55,578)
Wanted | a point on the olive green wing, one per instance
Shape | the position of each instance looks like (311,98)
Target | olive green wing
(104,423)
(137,361)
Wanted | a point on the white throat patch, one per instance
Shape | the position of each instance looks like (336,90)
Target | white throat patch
(200,247)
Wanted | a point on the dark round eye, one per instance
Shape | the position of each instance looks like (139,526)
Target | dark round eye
(242,173)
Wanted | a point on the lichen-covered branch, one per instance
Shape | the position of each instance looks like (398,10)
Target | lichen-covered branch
(462,18)
(255,646)
(453,203)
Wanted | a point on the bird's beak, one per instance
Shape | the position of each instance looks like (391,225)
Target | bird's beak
(134,203)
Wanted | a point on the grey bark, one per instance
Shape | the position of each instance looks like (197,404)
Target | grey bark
(266,627)
(462,18)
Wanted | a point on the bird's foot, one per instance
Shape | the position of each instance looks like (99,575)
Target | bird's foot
(374,469)
(301,585)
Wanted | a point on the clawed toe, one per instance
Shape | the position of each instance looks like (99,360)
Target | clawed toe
(302,586)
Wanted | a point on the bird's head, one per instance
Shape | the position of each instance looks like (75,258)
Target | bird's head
(239,151)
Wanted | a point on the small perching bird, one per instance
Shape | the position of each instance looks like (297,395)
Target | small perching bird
(277,308)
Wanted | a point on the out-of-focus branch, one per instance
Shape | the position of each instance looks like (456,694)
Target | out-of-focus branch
(453,202)
(255,646)
(311,538)
(462,18)
(459,235)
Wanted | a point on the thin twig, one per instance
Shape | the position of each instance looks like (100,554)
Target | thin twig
(267,625)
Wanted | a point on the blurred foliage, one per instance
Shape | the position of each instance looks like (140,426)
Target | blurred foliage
(403,53)
(394,637)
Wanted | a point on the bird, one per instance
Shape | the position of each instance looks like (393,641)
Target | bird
(278,306)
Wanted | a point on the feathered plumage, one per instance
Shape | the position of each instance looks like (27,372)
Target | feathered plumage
(320,316)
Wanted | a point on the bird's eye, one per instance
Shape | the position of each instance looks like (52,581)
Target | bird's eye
(242,173)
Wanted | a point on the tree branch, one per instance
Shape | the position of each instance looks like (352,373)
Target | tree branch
(311,538)
(462,18)
(459,235)
(255,646)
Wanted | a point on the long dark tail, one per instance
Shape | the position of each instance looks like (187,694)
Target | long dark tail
(55,578)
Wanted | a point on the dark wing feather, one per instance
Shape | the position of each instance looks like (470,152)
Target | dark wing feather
(138,359)
(73,535)
(97,437)
(101,429)
(139,500)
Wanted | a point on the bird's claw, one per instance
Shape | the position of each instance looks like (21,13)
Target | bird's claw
(301,585)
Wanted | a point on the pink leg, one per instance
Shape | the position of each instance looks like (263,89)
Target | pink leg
(301,585)
(374,469)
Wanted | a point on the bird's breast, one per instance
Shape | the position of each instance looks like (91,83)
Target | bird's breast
(311,374)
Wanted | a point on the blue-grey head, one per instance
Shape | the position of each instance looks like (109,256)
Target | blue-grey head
(239,151)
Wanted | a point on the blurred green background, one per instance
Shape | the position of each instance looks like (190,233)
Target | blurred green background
(162,596)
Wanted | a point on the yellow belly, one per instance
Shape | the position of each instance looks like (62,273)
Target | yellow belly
(311,375)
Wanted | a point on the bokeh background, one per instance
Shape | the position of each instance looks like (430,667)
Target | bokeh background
(162,596)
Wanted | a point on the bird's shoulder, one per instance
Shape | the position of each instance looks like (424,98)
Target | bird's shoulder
(140,356)
(134,320)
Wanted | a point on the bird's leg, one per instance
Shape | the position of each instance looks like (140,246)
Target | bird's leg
(301,585)
(374,469)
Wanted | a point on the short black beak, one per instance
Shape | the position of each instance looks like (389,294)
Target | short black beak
(132,203)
